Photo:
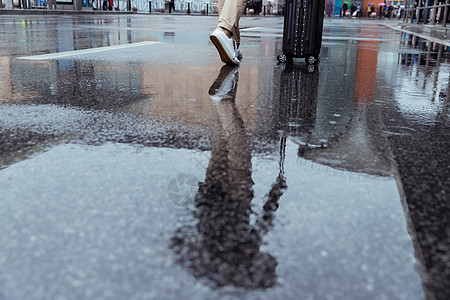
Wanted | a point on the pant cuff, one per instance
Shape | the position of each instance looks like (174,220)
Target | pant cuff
(225,25)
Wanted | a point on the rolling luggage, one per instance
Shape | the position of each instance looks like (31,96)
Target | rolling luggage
(302,32)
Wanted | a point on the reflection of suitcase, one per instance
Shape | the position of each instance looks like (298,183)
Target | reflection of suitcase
(303,26)
(298,100)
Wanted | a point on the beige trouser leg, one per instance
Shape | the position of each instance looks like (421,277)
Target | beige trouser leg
(230,12)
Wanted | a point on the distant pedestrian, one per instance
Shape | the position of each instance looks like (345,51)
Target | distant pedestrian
(269,8)
(358,11)
(344,9)
(400,12)
(105,5)
(371,11)
(352,9)
(171,6)
(226,37)
(390,10)
(258,7)
(328,8)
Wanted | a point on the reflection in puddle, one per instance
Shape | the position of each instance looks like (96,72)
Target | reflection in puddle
(224,247)
(77,83)
(343,140)
(429,53)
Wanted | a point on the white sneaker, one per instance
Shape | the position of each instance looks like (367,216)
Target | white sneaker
(225,46)
(224,84)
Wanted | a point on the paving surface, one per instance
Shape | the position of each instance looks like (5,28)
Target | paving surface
(134,165)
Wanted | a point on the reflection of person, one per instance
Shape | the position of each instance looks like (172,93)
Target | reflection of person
(224,247)
(226,37)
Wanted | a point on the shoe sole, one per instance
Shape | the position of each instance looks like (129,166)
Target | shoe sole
(223,54)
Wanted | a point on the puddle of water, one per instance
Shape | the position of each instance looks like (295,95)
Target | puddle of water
(334,226)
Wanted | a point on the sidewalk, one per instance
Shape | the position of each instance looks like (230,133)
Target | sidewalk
(434,33)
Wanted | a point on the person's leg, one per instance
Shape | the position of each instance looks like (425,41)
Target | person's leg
(225,35)
(221,3)
(237,33)
(230,12)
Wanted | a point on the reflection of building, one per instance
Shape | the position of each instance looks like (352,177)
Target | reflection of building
(430,53)
(182,95)
(77,83)
(168,94)
(366,71)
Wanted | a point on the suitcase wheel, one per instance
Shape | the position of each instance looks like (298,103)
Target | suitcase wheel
(282,58)
(310,59)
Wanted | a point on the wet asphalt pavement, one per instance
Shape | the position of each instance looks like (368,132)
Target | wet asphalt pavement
(134,165)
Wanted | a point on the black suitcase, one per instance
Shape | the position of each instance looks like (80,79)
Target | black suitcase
(302,32)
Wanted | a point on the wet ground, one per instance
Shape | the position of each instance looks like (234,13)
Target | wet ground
(134,165)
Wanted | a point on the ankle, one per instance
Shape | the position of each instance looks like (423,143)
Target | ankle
(227,32)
